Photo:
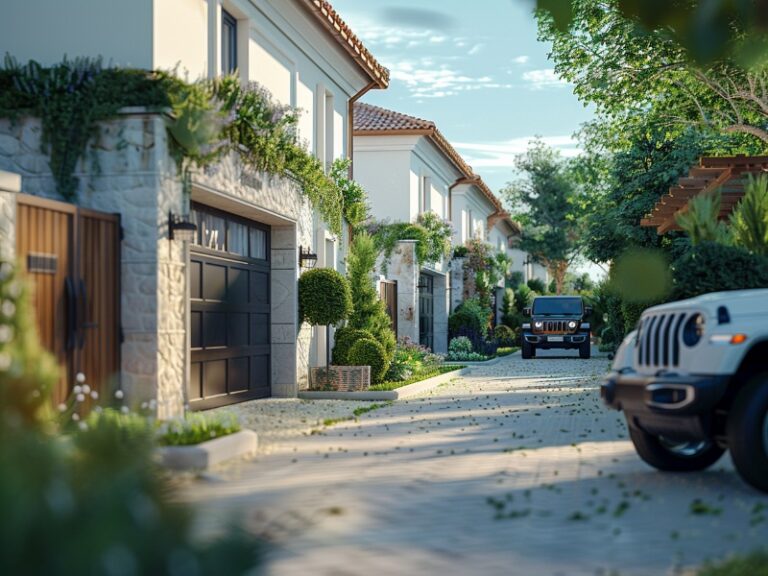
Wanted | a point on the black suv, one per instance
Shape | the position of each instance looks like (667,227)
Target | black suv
(556,322)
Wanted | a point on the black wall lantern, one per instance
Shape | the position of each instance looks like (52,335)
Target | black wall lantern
(306,258)
(180,228)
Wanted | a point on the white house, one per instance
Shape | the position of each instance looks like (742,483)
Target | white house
(215,320)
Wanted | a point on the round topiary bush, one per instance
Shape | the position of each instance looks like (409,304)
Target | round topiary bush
(368,352)
(504,335)
(343,341)
(460,345)
(324,297)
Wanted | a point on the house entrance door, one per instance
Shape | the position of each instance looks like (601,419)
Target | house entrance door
(72,258)
(426,311)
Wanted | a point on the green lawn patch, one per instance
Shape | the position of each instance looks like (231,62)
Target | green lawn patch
(754,564)
(507,351)
(384,386)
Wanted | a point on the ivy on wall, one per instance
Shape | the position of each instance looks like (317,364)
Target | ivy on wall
(208,120)
(432,233)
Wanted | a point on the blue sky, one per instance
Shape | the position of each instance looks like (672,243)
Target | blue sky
(474,68)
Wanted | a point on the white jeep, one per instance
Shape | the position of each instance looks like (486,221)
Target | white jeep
(692,380)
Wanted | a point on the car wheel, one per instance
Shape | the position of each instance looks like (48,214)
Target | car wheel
(748,432)
(528,351)
(585,350)
(674,456)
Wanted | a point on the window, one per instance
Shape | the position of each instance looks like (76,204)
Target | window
(228,43)
(224,232)
(426,193)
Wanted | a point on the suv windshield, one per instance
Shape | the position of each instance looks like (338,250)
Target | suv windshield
(557,306)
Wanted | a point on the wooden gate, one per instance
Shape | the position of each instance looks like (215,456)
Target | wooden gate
(388,294)
(72,258)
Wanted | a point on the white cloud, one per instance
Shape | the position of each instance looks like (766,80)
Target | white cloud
(521,59)
(476,49)
(541,79)
(502,154)
(425,78)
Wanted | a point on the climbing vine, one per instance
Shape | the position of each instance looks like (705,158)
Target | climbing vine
(432,233)
(208,119)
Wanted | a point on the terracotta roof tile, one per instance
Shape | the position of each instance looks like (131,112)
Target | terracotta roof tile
(348,40)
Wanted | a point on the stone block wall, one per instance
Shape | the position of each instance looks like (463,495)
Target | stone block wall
(126,170)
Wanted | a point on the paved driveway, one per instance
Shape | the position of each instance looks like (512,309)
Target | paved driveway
(514,469)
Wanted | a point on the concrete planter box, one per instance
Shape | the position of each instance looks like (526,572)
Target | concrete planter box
(397,394)
(208,454)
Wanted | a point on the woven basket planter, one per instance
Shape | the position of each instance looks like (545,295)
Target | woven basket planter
(340,378)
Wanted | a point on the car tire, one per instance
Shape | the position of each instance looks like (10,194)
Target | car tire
(663,455)
(585,350)
(748,432)
(528,351)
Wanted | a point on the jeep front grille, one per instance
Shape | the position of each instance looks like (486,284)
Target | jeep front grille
(658,340)
(555,327)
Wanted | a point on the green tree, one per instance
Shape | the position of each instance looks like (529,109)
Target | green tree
(548,204)
(633,74)
(368,311)
(701,220)
(749,222)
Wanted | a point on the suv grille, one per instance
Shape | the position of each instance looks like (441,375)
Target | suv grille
(658,340)
(555,327)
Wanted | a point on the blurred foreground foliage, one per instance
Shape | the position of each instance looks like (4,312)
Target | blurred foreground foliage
(92,502)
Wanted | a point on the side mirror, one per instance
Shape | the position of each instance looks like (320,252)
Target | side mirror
(587,310)
(527,311)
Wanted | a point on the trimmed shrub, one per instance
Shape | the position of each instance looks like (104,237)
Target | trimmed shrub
(471,317)
(537,285)
(368,311)
(504,335)
(515,279)
(368,352)
(460,345)
(343,341)
(710,267)
(324,297)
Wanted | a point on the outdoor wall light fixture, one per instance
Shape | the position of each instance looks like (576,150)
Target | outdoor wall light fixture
(180,228)
(306,258)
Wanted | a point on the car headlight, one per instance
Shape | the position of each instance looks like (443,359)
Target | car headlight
(538,324)
(693,330)
(572,325)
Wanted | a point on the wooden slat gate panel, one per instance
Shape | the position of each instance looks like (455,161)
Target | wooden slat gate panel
(388,293)
(72,258)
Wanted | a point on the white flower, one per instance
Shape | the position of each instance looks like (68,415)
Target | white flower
(80,377)
(80,397)
(5,361)
(119,394)
(98,409)
(95,395)
(83,426)
(77,389)
(75,416)
(6,333)
(144,405)
(5,270)
(14,289)
(62,407)
(8,308)
(124,409)
(86,389)
(152,404)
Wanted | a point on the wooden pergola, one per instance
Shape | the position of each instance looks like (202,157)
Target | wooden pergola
(727,173)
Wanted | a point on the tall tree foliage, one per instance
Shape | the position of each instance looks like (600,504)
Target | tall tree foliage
(632,74)
(547,202)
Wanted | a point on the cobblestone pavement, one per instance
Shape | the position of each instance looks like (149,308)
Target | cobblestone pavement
(514,469)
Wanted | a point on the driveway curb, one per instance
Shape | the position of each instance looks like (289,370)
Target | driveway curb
(397,394)
(208,454)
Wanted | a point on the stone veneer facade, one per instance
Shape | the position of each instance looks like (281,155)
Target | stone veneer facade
(128,170)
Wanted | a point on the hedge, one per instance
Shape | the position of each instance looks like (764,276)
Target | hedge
(344,339)
(368,352)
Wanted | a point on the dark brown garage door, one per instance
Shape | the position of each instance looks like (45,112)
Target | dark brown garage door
(230,310)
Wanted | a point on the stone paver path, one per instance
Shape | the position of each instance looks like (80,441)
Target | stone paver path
(514,469)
